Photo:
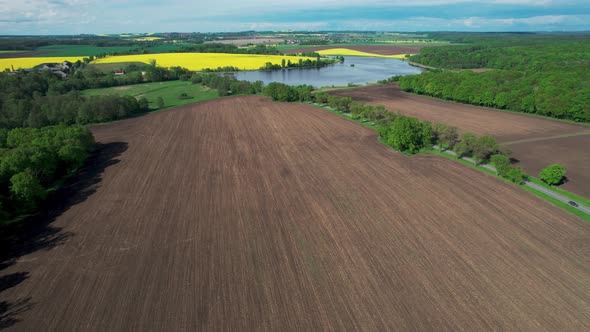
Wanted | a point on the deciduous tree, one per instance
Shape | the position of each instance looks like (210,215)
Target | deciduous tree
(552,174)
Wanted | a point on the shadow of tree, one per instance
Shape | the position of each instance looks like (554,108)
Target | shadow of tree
(36,232)
(11,280)
(563,181)
(9,312)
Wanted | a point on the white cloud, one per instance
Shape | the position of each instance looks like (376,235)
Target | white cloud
(46,12)
(40,9)
(472,23)
(111,16)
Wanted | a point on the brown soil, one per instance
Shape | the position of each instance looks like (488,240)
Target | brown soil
(245,41)
(506,127)
(24,54)
(571,152)
(376,49)
(243,214)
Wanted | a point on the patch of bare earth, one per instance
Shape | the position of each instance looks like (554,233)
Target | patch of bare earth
(24,54)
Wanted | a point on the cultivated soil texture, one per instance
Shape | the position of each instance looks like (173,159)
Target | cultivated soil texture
(375,49)
(536,142)
(23,54)
(243,214)
(246,41)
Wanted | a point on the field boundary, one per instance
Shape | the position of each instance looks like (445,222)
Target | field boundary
(485,108)
(564,199)
(493,109)
(552,196)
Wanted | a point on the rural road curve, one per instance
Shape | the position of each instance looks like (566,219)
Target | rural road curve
(537,187)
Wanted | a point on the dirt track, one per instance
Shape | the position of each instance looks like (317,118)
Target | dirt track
(545,146)
(376,49)
(243,214)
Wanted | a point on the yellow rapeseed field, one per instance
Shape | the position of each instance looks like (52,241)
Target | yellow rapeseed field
(200,61)
(24,63)
(349,52)
(148,38)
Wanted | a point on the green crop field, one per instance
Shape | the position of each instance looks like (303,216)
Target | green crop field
(390,43)
(169,91)
(163,48)
(80,50)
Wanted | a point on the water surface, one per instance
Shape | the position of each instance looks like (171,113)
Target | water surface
(365,70)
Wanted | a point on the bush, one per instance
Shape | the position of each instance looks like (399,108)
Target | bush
(321,97)
(502,164)
(406,134)
(184,96)
(427,134)
(144,105)
(516,175)
(552,174)
(466,145)
(26,189)
(484,147)
(160,102)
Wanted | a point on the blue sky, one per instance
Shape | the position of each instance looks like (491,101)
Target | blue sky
(111,16)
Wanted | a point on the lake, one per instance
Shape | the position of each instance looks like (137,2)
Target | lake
(365,70)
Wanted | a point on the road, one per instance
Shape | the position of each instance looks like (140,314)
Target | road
(529,184)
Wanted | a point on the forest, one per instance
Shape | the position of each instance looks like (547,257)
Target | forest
(34,161)
(544,76)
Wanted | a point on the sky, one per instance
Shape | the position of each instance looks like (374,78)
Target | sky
(42,17)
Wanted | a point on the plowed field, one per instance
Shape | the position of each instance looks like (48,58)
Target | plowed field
(243,214)
(536,142)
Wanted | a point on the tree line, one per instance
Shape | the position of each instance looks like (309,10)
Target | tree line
(552,95)
(410,135)
(230,48)
(286,93)
(546,76)
(32,161)
(307,63)
(227,84)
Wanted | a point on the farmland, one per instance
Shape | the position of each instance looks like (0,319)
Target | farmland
(349,52)
(29,62)
(536,142)
(169,91)
(191,61)
(371,48)
(81,50)
(200,61)
(243,214)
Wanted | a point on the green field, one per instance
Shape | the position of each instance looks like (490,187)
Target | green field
(164,48)
(343,45)
(80,50)
(169,91)
(111,67)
